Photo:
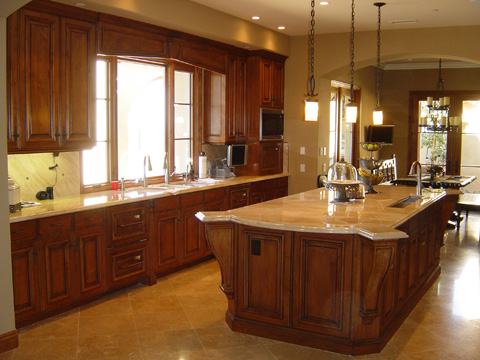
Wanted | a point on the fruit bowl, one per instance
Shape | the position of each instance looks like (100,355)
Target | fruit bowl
(370,180)
(371,146)
(371,164)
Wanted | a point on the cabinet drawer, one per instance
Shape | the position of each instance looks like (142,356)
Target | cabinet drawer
(22,230)
(127,223)
(54,224)
(282,182)
(127,263)
(191,199)
(214,195)
(168,203)
(88,218)
(239,197)
(258,186)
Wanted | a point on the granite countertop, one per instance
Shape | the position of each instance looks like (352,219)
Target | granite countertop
(312,211)
(75,203)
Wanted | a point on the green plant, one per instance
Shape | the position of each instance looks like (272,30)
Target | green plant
(436,145)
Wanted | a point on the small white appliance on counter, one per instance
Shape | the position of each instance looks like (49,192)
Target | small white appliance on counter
(14,201)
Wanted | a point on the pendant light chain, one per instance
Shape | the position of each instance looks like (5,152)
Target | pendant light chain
(311,82)
(352,51)
(440,91)
(378,49)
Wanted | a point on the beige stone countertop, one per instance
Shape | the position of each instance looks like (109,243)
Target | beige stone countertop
(312,211)
(75,203)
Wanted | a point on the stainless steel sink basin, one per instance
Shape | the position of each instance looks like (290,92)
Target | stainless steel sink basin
(405,201)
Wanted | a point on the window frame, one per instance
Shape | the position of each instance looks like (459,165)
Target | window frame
(196,121)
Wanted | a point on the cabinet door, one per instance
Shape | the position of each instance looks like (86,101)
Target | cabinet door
(78,64)
(238,101)
(239,196)
(271,157)
(266,83)
(423,255)
(56,271)
(278,79)
(264,277)
(412,264)
(192,234)
(321,283)
(90,261)
(402,261)
(38,80)
(127,264)
(25,279)
(166,240)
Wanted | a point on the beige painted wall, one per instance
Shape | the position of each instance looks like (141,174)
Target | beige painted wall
(332,63)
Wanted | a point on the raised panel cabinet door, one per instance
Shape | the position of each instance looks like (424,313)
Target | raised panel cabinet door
(321,283)
(412,264)
(192,234)
(422,255)
(90,261)
(166,240)
(39,79)
(13,85)
(25,279)
(240,123)
(278,86)
(264,275)
(403,249)
(126,223)
(57,271)
(271,158)
(239,196)
(266,83)
(128,263)
(78,64)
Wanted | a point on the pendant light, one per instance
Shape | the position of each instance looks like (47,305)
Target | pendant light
(311,102)
(352,107)
(378,111)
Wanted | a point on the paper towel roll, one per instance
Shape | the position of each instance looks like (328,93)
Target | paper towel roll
(202,166)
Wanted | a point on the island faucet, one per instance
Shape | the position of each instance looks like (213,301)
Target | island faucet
(166,166)
(417,165)
(146,164)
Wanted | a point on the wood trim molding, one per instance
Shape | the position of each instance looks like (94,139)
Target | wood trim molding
(8,341)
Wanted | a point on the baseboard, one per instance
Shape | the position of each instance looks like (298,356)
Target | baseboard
(8,341)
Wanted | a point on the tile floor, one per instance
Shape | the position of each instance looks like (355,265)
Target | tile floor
(182,318)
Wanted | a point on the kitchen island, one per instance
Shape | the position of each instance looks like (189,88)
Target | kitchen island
(336,276)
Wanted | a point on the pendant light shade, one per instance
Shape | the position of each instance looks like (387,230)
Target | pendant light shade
(311,102)
(352,107)
(377,111)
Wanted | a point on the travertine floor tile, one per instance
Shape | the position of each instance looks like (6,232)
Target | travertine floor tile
(108,346)
(258,352)
(285,351)
(223,337)
(51,329)
(162,321)
(161,342)
(101,325)
(47,349)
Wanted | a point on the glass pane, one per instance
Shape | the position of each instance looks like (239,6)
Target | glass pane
(470,116)
(141,118)
(432,148)
(182,155)
(102,76)
(95,164)
(182,87)
(182,121)
(470,164)
(102,116)
(345,148)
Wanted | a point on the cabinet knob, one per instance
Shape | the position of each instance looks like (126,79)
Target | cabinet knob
(136,216)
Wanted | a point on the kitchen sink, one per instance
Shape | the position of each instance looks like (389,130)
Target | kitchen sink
(405,201)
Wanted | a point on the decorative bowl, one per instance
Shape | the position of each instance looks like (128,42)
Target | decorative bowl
(371,164)
(371,146)
(372,179)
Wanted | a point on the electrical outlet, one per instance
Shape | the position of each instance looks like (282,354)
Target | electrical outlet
(302,167)
(324,167)
(302,150)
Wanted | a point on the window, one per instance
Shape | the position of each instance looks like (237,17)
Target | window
(133,120)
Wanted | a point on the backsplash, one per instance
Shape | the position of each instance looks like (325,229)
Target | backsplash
(32,173)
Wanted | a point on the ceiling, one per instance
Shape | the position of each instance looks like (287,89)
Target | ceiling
(336,17)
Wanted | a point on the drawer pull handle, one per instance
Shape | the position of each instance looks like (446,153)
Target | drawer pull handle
(130,224)
(423,243)
(18,232)
(89,218)
(58,224)
(136,216)
(130,265)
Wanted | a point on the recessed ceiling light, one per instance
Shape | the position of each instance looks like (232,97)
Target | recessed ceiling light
(281,27)
(324,2)
(255,17)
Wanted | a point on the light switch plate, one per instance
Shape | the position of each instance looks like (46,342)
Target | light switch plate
(302,167)
(302,150)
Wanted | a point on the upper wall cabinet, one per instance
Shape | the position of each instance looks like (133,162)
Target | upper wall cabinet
(119,36)
(225,103)
(51,77)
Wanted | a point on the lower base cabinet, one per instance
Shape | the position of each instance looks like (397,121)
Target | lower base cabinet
(127,263)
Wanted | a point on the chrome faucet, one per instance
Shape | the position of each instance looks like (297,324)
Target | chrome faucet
(146,164)
(166,166)
(419,175)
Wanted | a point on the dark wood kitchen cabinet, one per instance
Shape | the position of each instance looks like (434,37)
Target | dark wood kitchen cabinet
(166,233)
(192,230)
(57,261)
(90,253)
(271,157)
(239,196)
(268,190)
(25,272)
(51,72)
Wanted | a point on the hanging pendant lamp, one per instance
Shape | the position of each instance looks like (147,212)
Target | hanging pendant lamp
(378,111)
(352,107)
(311,102)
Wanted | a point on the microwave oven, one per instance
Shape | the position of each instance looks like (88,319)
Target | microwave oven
(271,124)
